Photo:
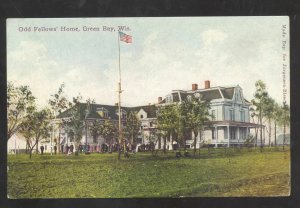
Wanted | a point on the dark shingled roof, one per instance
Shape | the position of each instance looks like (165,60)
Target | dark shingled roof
(111,109)
(228,92)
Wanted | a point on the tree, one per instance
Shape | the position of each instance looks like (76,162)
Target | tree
(36,127)
(74,125)
(196,113)
(153,138)
(277,115)
(58,103)
(132,126)
(285,121)
(95,129)
(167,121)
(20,103)
(260,98)
(108,131)
(268,113)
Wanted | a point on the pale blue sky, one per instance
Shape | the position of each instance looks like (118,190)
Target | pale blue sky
(166,54)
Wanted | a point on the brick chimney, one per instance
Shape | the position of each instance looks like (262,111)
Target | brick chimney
(207,84)
(159,99)
(194,87)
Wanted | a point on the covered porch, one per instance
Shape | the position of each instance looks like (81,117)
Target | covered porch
(229,133)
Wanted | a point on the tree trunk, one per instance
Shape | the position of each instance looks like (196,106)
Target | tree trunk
(58,145)
(256,134)
(275,139)
(26,150)
(260,121)
(270,132)
(37,146)
(119,151)
(283,141)
(200,142)
(159,142)
(195,142)
(165,145)
(184,143)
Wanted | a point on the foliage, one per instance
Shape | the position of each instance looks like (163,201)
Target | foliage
(195,113)
(58,101)
(268,113)
(20,103)
(167,121)
(75,124)
(259,102)
(95,129)
(249,141)
(36,127)
(132,126)
(108,130)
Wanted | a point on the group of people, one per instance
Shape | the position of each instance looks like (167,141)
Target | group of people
(100,148)
(67,149)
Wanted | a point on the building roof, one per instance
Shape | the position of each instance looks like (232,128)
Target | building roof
(149,109)
(210,94)
(112,111)
(228,92)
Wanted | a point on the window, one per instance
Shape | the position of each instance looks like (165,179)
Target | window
(142,116)
(213,134)
(232,132)
(102,112)
(243,116)
(243,133)
(213,114)
(168,99)
(105,114)
(231,115)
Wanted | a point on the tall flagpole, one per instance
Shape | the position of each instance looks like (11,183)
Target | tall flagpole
(119,93)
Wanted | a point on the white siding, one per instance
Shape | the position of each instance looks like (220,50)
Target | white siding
(142,114)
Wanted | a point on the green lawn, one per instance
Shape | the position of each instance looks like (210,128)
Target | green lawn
(231,173)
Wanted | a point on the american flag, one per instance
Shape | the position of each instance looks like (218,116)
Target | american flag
(125,38)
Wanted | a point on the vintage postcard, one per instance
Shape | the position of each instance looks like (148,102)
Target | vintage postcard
(148,107)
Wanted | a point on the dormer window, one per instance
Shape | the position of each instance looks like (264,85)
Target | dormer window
(169,99)
(123,113)
(102,112)
(142,116)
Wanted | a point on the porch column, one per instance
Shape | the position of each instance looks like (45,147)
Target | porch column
(228,136)
(238,135)
(216,136)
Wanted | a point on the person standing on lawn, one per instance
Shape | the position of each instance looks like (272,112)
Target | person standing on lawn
(55,149)
(42,149)
(71,148)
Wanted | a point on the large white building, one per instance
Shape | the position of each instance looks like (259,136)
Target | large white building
(230,123)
